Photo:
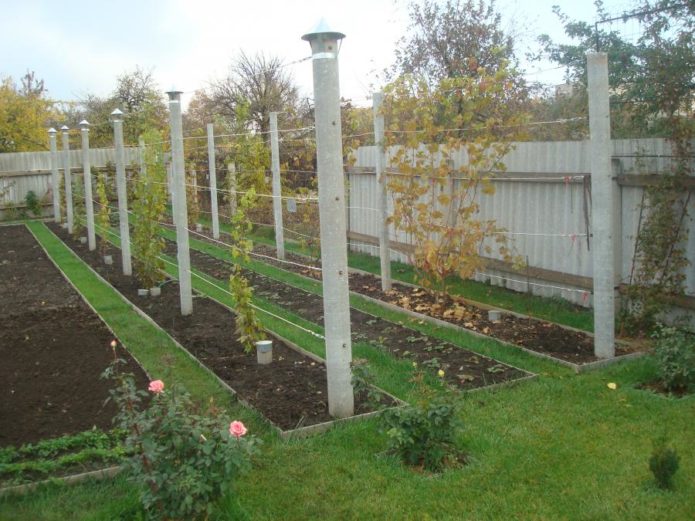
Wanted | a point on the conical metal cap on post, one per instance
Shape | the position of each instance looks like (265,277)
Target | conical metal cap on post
(325,46)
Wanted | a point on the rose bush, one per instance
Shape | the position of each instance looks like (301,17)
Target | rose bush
(184,459)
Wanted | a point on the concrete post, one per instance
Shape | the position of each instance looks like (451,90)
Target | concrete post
(141,147)
(67,179)
(87,172)
(212,170)
(117,118)
(55,175)
(336,305)
(381,193)
(277,186)
(602,196)
(179,203)
(231,182)
(170,184)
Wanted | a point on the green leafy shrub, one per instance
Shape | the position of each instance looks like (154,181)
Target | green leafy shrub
(182,459)
(674,350)
(663,463)
(149,207)
(192,198)
(249,329)
(363,384)
(423,434)
(79,215)
(103,214)
(33,203)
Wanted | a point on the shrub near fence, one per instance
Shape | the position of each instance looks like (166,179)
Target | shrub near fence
(543,200)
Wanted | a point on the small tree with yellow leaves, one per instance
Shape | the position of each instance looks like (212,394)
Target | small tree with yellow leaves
(436,202)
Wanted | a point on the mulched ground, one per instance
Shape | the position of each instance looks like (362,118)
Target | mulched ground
(290,392)
(533,334)
(53,349)
(462,368)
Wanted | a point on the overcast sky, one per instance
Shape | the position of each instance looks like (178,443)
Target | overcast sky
(81,46)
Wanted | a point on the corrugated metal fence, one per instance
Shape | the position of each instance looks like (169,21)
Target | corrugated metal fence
(24,171)
(543,200)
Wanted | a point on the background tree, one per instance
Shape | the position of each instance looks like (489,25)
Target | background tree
(25,113)
(138,96)
(258,83)
(452,39)
(651,77)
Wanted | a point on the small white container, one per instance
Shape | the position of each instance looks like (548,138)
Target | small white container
(156,291)
(199,227)
(83,240)
(143,292)
(494,315)
(264,351)
(108,260)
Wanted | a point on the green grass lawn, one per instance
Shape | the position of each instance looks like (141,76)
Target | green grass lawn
(562,446)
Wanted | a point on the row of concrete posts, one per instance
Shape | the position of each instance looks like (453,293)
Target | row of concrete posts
(324,45)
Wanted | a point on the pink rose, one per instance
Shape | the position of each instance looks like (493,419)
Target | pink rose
(156,386)
(113,344)
(237,429)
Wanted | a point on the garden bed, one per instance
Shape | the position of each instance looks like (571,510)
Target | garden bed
(53,349)
(462,368)
(565,345)
(290,392)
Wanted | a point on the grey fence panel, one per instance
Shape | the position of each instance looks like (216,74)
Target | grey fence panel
(547,219)
(22,172)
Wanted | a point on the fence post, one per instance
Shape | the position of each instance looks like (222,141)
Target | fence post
(117,118)
(55,175)
(141,147)
(231,186)
(324,48)
(602,189)
(179,203)
(212,170)
(87,179)
(381,194)
(67,179)
(277,187)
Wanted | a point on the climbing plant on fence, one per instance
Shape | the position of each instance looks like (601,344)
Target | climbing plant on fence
(435,202)
(149,207)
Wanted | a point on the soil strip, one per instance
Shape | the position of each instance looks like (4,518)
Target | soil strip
(291,391)
(53,349)
(546,338)
(462,368)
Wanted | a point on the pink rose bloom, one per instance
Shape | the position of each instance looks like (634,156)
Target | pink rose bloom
(237,429)
(113,344)
(156,386)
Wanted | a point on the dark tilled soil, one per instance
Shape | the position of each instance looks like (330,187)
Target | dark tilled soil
(462,368)
(533,334)
(53,349)
(290,392)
